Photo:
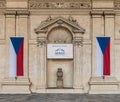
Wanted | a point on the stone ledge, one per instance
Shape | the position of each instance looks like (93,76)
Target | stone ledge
(99,85)
(65,91)
(15,85)
(102,81)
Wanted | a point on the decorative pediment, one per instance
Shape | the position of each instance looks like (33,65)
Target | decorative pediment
(60,21)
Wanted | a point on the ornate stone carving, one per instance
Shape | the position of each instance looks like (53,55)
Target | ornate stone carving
(2,4)
(35,4)
(60,20)
(72,23)
(41,41)
(59,78)
(78,41)
(117,4)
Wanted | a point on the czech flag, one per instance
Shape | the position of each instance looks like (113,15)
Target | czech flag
(16,56)
(103,56)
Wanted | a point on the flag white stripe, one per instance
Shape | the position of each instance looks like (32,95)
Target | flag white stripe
(99,62)
(12,71)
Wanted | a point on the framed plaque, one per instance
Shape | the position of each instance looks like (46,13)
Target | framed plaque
(60,51)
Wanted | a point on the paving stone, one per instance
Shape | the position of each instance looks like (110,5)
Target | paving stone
(59,98)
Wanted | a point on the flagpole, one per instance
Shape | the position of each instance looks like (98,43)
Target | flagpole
(15,24)
(104,33)
(104,22)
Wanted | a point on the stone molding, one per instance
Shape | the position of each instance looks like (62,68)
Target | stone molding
(20,85)
(23,12)
(78,41)
(63,4)
(96,12)
(102,13)
(19,12)
(41,41)
(38,4)
(60,21)
(10,12)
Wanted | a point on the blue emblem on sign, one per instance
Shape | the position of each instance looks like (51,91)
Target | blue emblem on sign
(59,51)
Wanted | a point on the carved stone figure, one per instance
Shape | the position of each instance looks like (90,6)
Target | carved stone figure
(59,78)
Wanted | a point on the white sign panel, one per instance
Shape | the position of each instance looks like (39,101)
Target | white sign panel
(60,51)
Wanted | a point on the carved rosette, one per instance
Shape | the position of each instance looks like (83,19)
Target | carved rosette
(2,4)
(34,4)
(78,41)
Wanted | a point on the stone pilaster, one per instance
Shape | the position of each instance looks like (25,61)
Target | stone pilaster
(109,31)
(78,62)
(41,60)
(97,31)
(10,31)
(107,84)
(19,84)
(22,30)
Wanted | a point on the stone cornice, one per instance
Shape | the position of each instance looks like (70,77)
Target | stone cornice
(23,12)
(100,13)
(96,12)
(58,4)
(63,4)
(10,12)
(18,12)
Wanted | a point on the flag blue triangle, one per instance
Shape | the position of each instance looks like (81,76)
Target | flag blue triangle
(103,41)
(16,41)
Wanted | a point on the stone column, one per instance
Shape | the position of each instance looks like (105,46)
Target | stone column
(41,60)
(78,62)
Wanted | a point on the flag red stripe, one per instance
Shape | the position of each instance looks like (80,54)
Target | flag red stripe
(20,60)
(106,60)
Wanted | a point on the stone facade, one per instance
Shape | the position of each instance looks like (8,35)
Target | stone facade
(43,22)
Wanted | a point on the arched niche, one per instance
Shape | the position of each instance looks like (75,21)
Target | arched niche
(59,35)
(59,31)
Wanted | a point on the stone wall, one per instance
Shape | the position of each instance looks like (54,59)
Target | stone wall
(22,17)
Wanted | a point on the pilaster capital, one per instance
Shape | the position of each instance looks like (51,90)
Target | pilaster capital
(78,41)
(10,12)
(17,12)
(23,12)
(109,14)
(41,41)
(96,13)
